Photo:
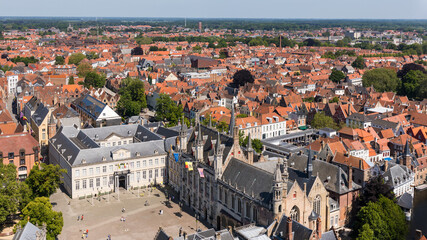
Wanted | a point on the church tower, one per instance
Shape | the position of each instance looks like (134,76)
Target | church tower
(250,150)
(199,144)
(219,153)
(183,137)
(51,126)
(277,192)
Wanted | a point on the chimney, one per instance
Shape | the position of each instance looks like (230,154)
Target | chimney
(319,228)
(350,177)
(290,233)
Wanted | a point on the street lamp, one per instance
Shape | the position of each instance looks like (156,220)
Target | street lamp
(138,187)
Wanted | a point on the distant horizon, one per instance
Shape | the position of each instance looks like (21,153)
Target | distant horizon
(218,18)
(221,9)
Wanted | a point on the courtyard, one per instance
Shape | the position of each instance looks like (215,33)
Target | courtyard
(102,216)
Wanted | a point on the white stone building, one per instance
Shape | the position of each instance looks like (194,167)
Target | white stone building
(102,160)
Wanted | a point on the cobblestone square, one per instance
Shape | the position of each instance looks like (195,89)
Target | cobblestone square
(102,216)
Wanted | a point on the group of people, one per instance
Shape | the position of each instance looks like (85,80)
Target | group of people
(85,234)
(80,218)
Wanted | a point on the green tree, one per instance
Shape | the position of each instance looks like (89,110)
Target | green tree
(94,79)
(241,115)
(359,63)
(336,75)
(222,126)
(83,69)
(132,98)
(178,48)
(59,60)
(154,48)
(384,217)
(76,58)
(167,110)
(92,55)
(334,100)
(197,49)
(40,212)
(241,77)
(256,144)
(144,40)
(14,195)
(366,233)
(71,80)
(383,79)
(414,85)
(320,120)
(43,180)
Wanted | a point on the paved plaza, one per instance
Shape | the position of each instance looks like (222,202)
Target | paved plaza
(102,217)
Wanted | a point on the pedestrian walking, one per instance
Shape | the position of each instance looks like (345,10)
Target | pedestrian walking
(109,237)
(82,217)
(78,218)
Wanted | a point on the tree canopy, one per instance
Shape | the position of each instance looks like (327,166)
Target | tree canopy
(94,79)
(241,77)
(132,98)
(359,63)
(76,58)
(320,120)
(256,144)
(137,51)
(59,60)
(382,79)
(384,217)
(414,84)
(312,42)
(44,180)
(336,75)
(408,67)
(84,68)
(167,110)
(14,195)
(40,212)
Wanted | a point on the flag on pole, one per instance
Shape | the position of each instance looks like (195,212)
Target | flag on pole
(190,166)
(201,172)
(176,155)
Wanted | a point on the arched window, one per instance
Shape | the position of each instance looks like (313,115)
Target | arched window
(280,208)
(23,168)
(254,214)
(239,205)
(248,210)
(316,204)
(295,213)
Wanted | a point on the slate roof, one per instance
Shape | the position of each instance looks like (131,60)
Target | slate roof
(300,232)
(78,145)
(397,175)
(210,142)
(27,233)
(405,201)
(40,114)
(249,178)
(333,177)
(90,105)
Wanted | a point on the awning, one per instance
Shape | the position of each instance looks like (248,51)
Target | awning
(387,159)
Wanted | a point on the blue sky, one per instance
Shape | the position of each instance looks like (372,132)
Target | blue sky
(325,9)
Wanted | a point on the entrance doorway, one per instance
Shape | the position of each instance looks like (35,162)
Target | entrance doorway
(122,181)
